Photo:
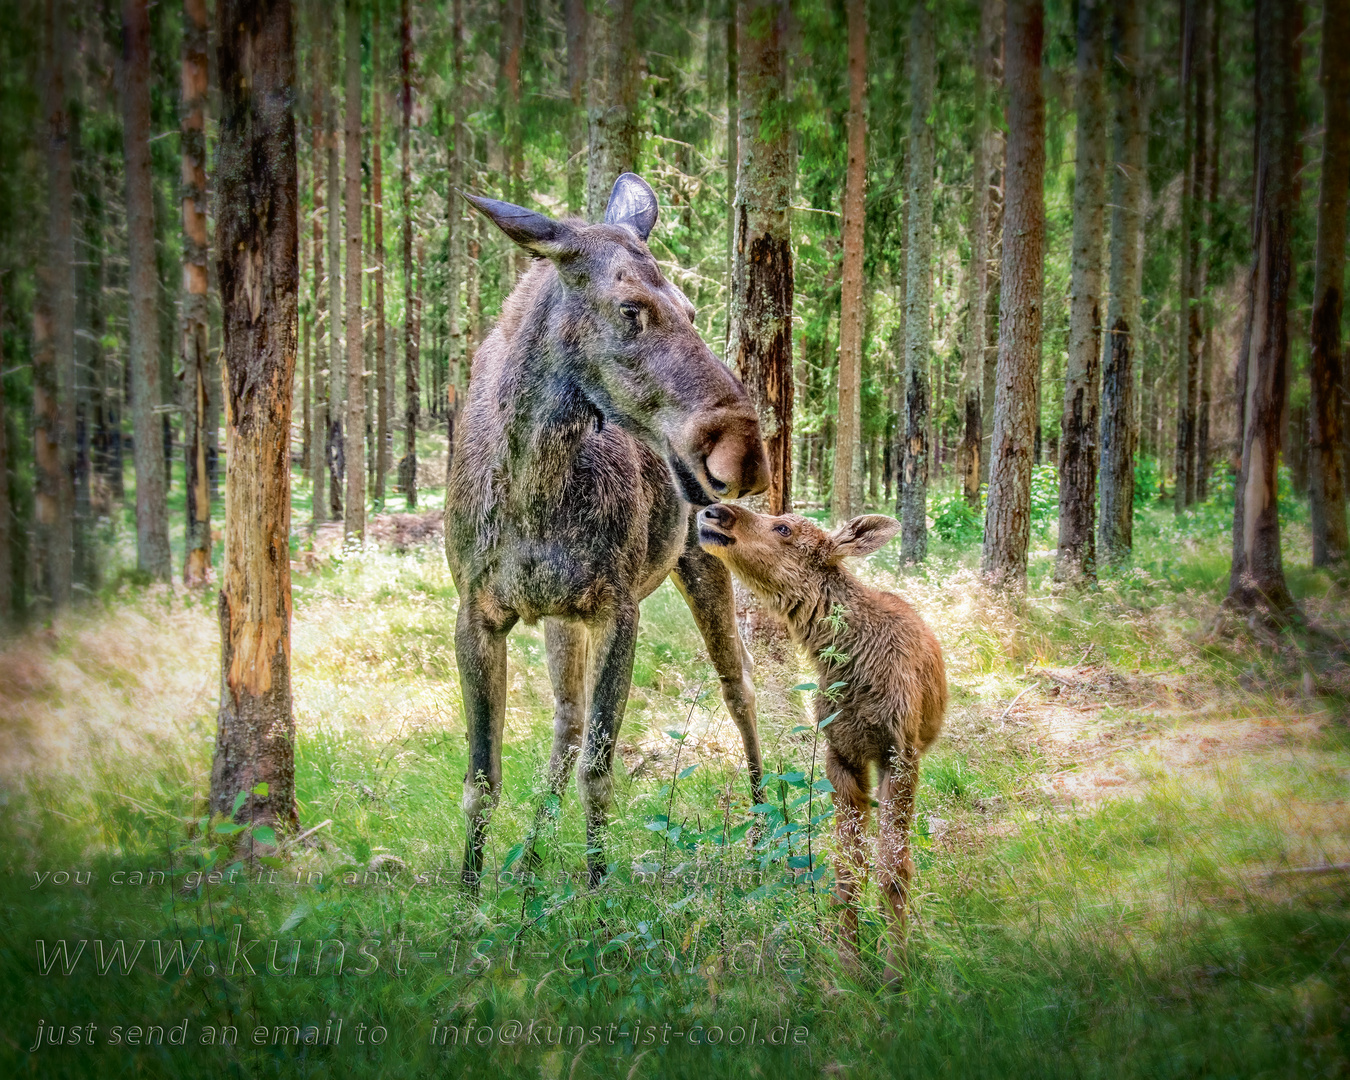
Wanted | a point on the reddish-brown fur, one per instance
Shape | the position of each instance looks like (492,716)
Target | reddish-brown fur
(894,693)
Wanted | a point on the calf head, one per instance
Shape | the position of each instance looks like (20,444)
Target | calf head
(786,559)
(628,337)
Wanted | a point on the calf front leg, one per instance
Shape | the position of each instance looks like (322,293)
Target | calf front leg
(480,653)
(895,867)
(705,584)
(614,645)
(850,867)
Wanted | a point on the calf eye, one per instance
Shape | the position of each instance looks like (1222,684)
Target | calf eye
(630,310)
(782,530)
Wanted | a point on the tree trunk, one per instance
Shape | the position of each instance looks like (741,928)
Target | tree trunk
(377,197)
(1203,451)
(844,495)
(760,336)
(733,149)
(513,39)
(54,334)
(1257,576)
(318,436)
(259,270)
(334,450)
(1118,433)
(612,106)
(1329,540)
(7,612)
(576,90)
(1007,517)
(918,287)
(455,236)
(1193,90)
(197,562)
(1076,561)
(407,467)
(354,522)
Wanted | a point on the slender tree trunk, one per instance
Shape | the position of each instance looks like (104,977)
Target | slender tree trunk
(455,235)
(197,564)
(152,521)
(1118,433)
(513,39)
(918,287)
(1203,451)
(1076,562)
(259,286)
(733,150)
(762,280)
(844,495)
(1257,576)
(407,467)
(318,436)
(1007,528)
(612,105)
(1329,538)
(576,90)
(335,450)
(306,352)
(354,523)
(382,401)
(1189,333)
(7,612)
(977,280)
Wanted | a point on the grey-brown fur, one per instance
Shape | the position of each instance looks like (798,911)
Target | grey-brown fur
(894,691)
(591,400)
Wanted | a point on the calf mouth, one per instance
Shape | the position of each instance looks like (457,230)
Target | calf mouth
(711,536)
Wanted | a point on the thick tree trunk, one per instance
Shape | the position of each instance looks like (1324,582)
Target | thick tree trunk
(407,467)
(968,453)
(377,197)
(259,270)
(1076,561)
(575,17)
(918,288)
(354,522)
(1118,433)
(1007,528)
(318,435)
(197,563)
(54,334)
(1329,539)
(845,498)
(1257,576)
(612,105)
(762,283)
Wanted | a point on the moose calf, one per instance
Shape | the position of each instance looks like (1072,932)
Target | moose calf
(893,684)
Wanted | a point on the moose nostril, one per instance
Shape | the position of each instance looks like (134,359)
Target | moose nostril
(718,514)
(717,485)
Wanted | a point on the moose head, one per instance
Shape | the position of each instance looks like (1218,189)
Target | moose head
(627,337)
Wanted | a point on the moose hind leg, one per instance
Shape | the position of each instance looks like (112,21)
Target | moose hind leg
(567,645)
(851,805)
(895,867)
(480,653)
(595,773)
(705,584)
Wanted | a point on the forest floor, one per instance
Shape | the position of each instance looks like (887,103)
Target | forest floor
(1132,841)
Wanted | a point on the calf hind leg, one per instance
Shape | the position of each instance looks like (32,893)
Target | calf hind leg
(895,867)
(850,867)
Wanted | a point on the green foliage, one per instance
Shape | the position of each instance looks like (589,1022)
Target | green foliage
(954,522)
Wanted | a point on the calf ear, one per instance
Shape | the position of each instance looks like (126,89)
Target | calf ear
(863,535)
(632,203)
(536,233)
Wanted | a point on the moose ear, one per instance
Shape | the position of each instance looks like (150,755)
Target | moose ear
(863,535)
(632,203)
(536,233)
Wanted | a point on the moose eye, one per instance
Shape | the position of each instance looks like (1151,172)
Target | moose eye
(630,310)
(782,530)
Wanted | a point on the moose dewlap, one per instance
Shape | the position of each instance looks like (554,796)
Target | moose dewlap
(893,684)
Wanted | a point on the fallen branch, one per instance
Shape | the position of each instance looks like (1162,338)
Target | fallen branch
(310,832)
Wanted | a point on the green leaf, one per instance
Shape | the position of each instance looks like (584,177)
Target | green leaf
(271,862)
(763,808)
(793,779)
(260,790)
(835,686)
(803,686)
(675,734)
(264,834)
(823,784)
(827,721)
(687,772)
(228,828)
(238,802)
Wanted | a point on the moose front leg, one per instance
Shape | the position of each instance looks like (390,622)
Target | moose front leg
(480,652)
(614,645)
(705,584)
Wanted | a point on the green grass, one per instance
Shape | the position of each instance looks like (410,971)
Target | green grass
(1148,933)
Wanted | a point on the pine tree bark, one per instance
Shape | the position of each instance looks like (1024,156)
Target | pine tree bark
(197,563)
(354,521)
(1076,560)
(1007,528)
(968,454)
(152,520)
(258,230)
(513,40)
(844,492)
(1203,450)
(1329,539)
(407,466)
(318,436)
(336,450)
(454,239)
(918,288)
(1119,436)
(575,19)
(733,146)
(1257,580)
(7,611)
(377,197)
(612,105)
(760,334)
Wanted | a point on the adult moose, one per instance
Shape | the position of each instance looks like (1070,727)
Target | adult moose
(596,417)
